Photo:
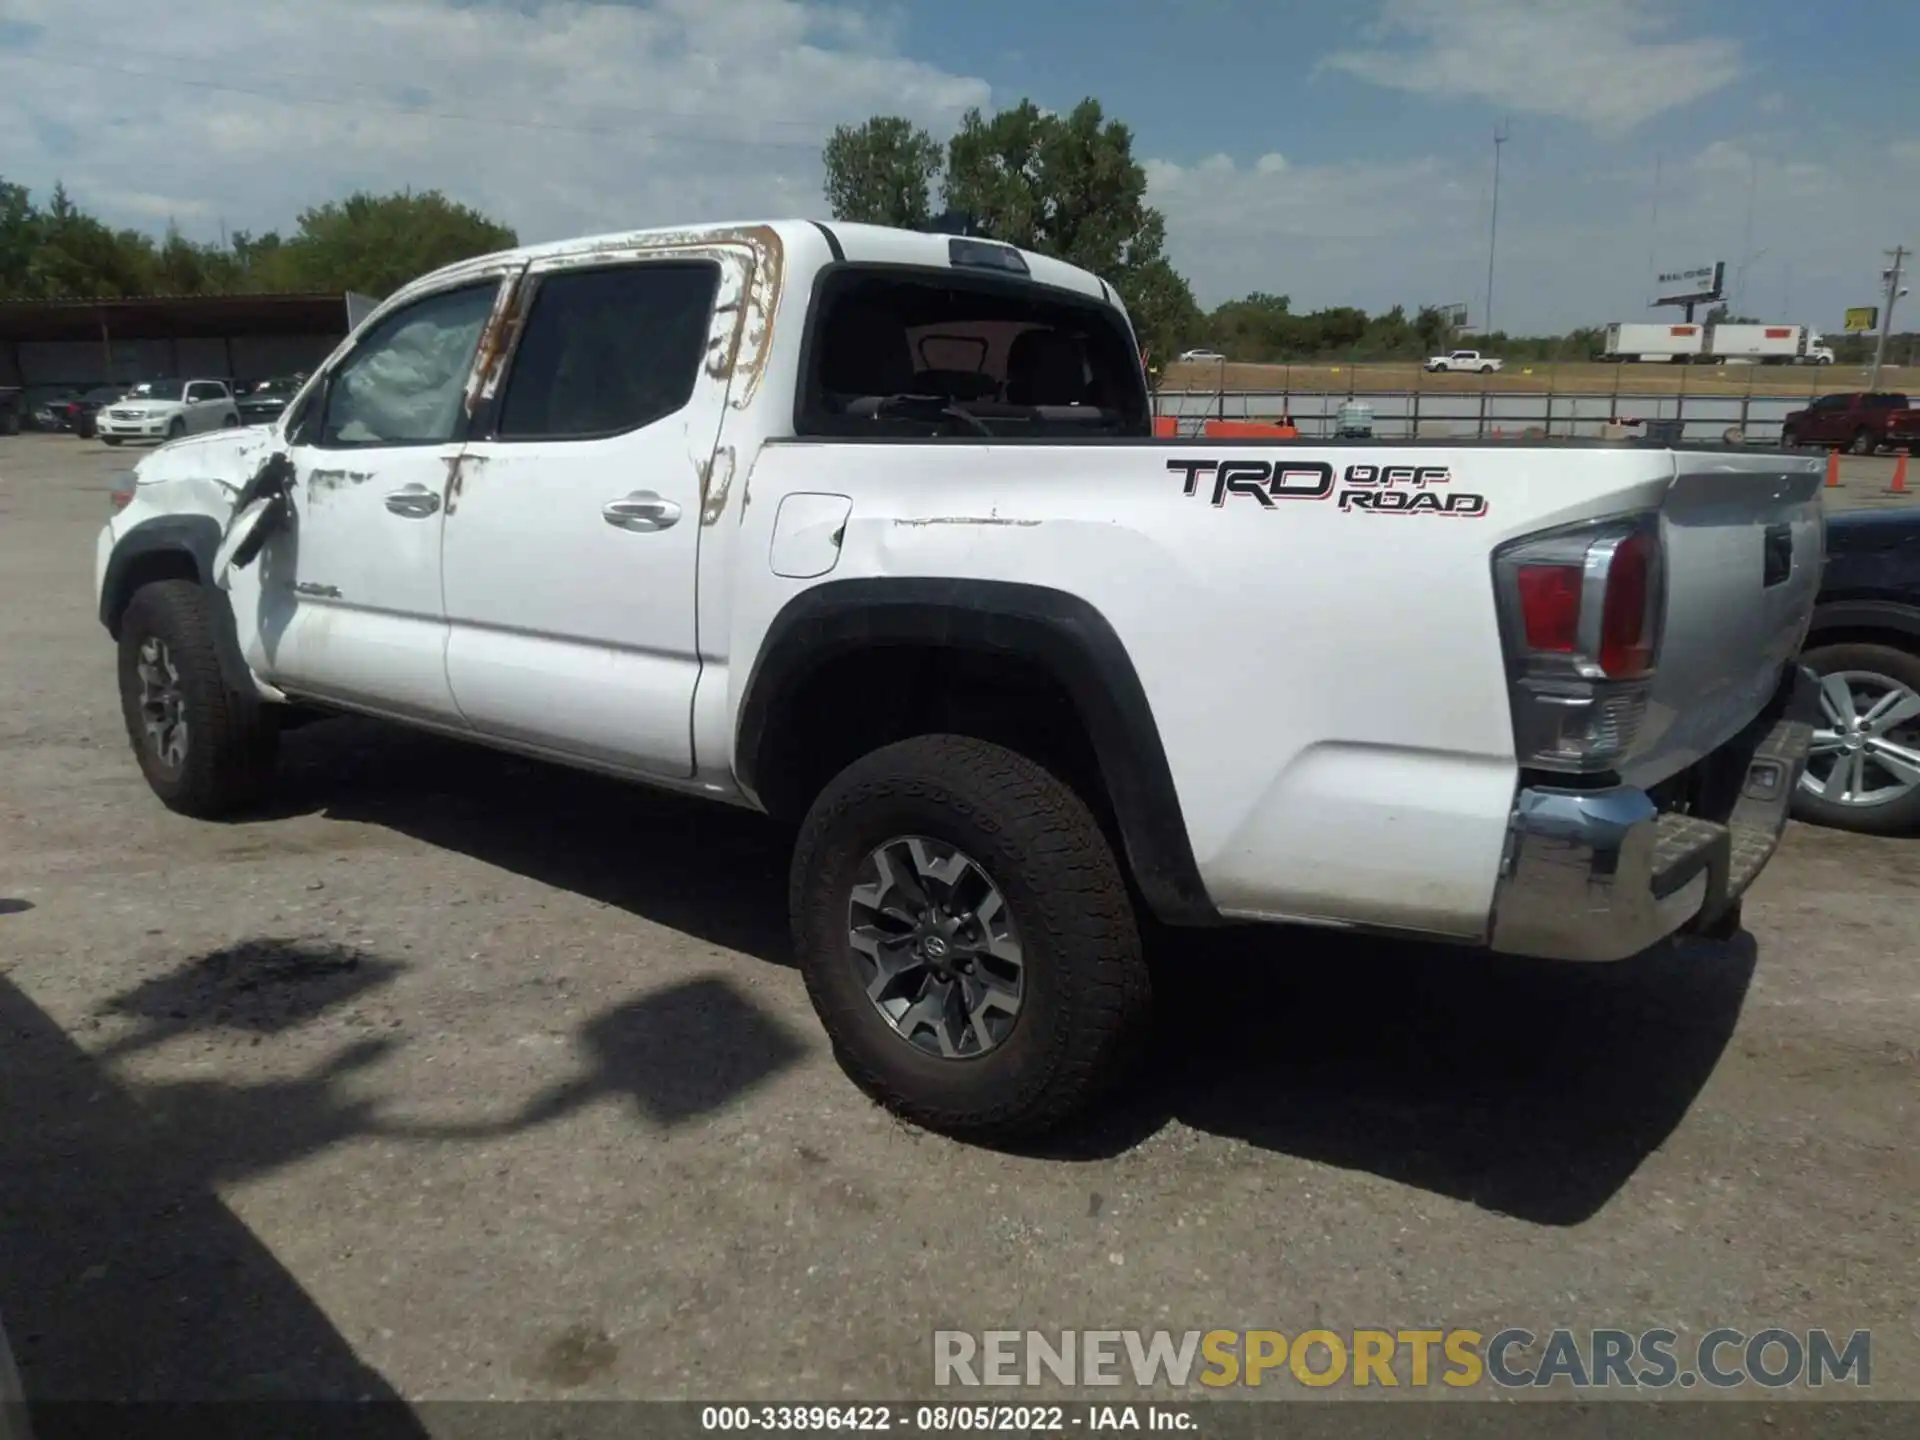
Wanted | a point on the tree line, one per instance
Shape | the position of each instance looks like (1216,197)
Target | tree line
(369,243)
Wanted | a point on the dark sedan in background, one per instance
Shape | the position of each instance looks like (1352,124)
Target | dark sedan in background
(76,412)
(262,403)
(1864,772)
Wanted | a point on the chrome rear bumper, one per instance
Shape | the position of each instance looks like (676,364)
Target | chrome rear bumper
(1604,874)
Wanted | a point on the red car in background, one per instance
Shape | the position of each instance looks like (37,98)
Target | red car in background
(1861,421)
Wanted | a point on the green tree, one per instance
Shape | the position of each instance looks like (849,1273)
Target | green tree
(77,257)
(1258,327)
(19,240)
(1434,329)
(1069,186)
(376,243)
(881,172)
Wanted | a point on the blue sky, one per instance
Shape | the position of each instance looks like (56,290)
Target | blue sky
(1338,152)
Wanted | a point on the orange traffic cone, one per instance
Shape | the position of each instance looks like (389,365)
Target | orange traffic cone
(1833,469)
(1899,485)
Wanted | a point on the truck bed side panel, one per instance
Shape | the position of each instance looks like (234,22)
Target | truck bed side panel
(1325,672)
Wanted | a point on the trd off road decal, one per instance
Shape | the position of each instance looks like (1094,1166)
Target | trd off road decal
(1375,489)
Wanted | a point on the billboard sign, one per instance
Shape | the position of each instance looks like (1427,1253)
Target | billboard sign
(1863,319)
(1690,284)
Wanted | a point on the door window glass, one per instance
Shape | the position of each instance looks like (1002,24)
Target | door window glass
(608,351)
(404,384)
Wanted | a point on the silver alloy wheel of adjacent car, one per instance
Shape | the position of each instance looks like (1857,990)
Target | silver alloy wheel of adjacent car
(936,946)
(1869,751)
(163,703)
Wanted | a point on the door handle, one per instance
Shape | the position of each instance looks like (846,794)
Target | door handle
(416,502)
(643,510)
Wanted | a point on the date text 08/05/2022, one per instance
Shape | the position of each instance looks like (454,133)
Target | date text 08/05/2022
(940,1419)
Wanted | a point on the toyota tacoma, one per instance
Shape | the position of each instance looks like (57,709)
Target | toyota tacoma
(869,529)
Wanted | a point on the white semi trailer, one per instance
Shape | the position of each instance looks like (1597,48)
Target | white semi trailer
(1702,343)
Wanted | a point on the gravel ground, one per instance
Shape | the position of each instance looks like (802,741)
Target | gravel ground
(463,1077)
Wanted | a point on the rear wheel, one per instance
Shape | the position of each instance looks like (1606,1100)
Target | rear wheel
(1864,770)
(967,938)
(205,748)
(1486,369)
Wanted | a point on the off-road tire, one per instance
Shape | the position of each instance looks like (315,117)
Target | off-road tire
(232,736)
(1088,997)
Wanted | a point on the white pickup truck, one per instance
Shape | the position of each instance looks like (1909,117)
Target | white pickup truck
(1471,360)
(868,529)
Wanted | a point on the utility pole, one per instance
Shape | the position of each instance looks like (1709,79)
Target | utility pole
(1493,223)
(1899,254)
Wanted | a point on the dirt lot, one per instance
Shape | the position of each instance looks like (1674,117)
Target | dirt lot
(1533,377)
(464,1077)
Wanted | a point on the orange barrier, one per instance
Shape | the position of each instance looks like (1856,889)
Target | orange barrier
(1833,469)
(1248,430)
(1165,427)
(1899,485)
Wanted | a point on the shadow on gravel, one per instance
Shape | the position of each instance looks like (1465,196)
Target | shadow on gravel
(1530,1088)
(707,870)
(125,1277)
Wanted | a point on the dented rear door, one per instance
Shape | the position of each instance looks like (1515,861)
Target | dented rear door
(574,523)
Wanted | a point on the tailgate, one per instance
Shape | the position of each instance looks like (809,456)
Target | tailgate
(1745,541)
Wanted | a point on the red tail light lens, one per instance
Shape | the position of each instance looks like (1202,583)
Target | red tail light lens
(1626,637)
(1550,607)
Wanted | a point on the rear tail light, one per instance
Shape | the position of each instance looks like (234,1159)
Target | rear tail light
(1581,616)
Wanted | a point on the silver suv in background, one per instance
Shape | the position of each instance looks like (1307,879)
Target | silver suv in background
(166,410)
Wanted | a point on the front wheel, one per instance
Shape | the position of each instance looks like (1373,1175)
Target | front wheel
(1789,438)
(176,429)
(1864,770)
(109,439)
(206,749)
(1863,442)
(967,938)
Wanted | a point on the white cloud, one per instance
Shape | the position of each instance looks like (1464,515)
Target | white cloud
(567,118)
(1603,63)
(1575,247)
(556,118)
(1367,234)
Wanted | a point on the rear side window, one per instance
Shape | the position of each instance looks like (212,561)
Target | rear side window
(608,351)
(926,354)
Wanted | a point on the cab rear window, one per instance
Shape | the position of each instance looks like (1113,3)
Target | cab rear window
(926,354)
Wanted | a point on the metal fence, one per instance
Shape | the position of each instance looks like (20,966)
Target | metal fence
(1487,414)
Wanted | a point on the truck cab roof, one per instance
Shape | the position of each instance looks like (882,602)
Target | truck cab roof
(785,243)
